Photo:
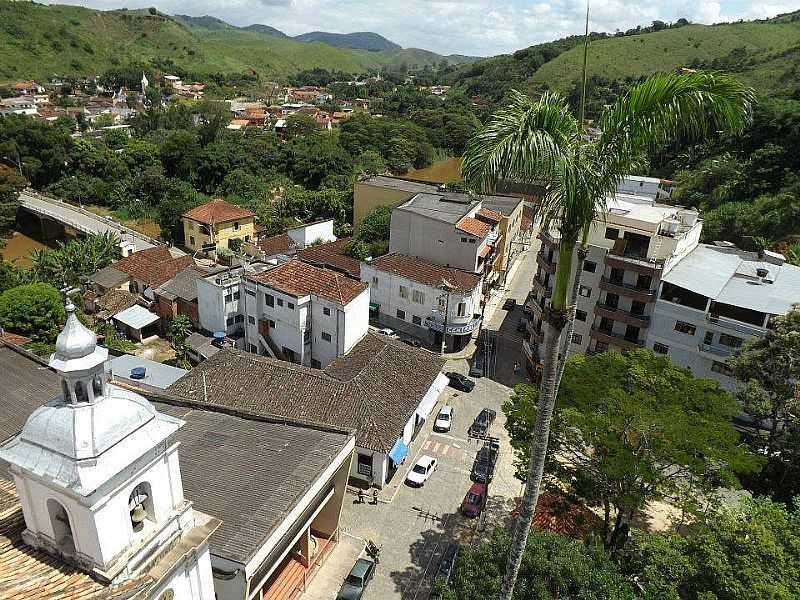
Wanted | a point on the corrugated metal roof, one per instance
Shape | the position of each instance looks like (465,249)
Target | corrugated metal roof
(136,317)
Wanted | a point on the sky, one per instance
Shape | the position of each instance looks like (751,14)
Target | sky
(472,27)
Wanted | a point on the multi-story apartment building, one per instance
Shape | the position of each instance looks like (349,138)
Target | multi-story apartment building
(629,248)
(714,300)
(294,311)
(413,296)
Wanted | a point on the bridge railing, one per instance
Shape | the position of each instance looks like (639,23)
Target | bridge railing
(75,225)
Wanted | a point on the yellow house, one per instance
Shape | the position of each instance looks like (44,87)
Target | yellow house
(216,223)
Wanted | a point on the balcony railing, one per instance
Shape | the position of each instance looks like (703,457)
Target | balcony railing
(616,339)
(716,349)
(625,316)
(547,265)
(634,262)
(548,238)
(735,325)
(626,289)
(539,285)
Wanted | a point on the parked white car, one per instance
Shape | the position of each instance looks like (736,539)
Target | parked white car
(421,471)
(444,419)
(387,332)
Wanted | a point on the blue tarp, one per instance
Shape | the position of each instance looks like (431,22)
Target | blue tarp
(398,452)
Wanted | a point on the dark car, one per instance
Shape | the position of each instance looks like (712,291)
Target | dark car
(485,462)
(480,426)
(478,365)
(475,500)
(412,342)
(446,568)
(356,581)
(509,304)
(460,382)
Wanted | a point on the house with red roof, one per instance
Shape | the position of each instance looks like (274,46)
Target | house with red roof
(217,224)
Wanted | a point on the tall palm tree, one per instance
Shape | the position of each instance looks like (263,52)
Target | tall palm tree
(539,141)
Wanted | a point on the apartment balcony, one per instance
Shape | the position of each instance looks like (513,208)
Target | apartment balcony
(548,266)
(635,263)
(537,336)
(539,287)
(615,339)
(624,316)
(548,238)
(716,349)
(628,290)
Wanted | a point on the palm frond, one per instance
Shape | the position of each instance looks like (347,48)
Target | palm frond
(524,141)
(676,107)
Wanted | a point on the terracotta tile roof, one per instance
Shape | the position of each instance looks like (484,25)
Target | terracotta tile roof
(113,302)
(485,251)
(154,266)
(491,215)
(427,273)
(217,210)
(474,227)
(276,244)
(14,338)
(374,389)
(333,255)
(302,279)
(28,574)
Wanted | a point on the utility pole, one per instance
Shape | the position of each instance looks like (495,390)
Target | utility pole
(446,288)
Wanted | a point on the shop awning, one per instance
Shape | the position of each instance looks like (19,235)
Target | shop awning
(398,452)
(374,306)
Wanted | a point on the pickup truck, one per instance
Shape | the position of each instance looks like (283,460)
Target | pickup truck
(485,462)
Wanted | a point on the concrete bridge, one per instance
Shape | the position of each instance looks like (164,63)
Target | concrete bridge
(83,221)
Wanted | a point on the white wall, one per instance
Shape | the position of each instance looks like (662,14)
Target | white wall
(308,234)
(191,580)
(356,320)
(213,310)
(438,242)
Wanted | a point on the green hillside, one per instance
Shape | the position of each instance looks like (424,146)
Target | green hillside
(40,40)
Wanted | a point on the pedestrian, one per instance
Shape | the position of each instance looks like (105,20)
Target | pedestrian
(516,367)
(375,497)
(360,496)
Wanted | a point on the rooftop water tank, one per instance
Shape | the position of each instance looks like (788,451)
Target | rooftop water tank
(138,372)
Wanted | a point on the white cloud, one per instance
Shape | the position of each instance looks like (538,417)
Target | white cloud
(475,27)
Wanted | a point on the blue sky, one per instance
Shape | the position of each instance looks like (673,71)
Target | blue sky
(474,27)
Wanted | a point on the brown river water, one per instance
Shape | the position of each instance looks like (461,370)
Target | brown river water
(439,172)
(18,247)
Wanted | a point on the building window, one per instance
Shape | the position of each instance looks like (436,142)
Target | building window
(577,338)
(236,295)
(290,306)
(612,300)
(612,233)
(401,314)
(471,241)
(462,309)
(269,299)
(580,315)
(589,266)
(418,297)
(364,465)
(251,320)
(250,293)
(660,348)
(228,297)
(721,368)
(416,320)
(404,292)
(191,240)
(730,340)
(584,291)
(326,311)
(271,323)
(239,319)
(326,336)
(140,505)
(229,321)
(236,225)
(315,364)
(375,280)
(601,347)
(464,240)
(684,327)
(709,337)
(280,301)
(637,308)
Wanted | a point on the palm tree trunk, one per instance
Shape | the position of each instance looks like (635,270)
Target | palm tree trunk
(555,319)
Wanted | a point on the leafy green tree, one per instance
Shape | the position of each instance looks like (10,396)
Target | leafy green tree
(358,249)
(178,197)
(40,148)
(139,155)
(300,125)
(11,184)
(634,428)
(769,367)
(11,275)
(179,330)
(370,162)
(374,230)
(77,258)
(33,309)
(748,550)
(553,568)
(540,140)
(243,188)
(309,161)
(179,153)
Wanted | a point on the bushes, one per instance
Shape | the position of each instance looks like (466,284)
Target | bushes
(35,310)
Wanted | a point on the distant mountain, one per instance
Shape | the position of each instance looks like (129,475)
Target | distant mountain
(205,22)
(259,28)
(362,40)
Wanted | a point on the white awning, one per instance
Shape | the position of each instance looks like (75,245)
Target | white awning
(136,317)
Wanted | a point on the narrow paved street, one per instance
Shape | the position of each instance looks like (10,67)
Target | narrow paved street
(413,526)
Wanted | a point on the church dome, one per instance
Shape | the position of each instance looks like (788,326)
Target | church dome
(75,340)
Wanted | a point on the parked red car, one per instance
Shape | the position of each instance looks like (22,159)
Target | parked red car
(475,500)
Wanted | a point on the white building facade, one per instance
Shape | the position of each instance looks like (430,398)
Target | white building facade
(98,478)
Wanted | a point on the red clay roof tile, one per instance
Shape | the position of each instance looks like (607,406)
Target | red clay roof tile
(217,210)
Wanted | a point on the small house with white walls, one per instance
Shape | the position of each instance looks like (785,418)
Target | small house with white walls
(100,510)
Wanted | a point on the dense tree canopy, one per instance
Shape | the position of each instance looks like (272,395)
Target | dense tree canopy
(34,309)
